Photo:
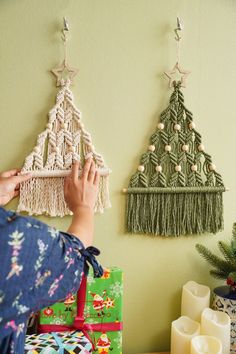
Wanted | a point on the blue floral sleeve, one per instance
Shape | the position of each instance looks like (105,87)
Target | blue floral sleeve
(38,266)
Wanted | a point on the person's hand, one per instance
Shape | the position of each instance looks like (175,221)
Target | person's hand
(81,192)
(80,195)
(10,185)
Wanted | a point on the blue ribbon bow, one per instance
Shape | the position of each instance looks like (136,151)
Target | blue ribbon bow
(89,253)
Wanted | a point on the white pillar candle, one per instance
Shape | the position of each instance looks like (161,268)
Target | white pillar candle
(195,298)
(182,331)
(217,324)
(206,344)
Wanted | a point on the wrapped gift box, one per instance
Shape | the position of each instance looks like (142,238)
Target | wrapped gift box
(61,313)
(96,309)
(59,342)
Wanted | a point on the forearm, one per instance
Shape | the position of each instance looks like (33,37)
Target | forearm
(82,225)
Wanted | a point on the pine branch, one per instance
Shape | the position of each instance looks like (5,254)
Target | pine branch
(234,231)
(233,241)
(219,274)
(215,261)
(226,250)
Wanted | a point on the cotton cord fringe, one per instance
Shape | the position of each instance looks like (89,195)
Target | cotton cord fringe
(45,195)
(174,214)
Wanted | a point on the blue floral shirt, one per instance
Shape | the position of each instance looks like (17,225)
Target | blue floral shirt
(38,266)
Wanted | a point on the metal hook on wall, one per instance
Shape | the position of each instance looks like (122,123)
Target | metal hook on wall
(65,29)
(178,29)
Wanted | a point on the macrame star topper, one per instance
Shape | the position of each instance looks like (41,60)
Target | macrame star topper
(64,71)
(172,75)
(176,189)
(63,141)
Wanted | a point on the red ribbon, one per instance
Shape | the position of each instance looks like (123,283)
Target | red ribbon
(79,320)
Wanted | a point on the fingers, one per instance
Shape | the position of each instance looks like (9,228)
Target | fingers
(10,173)
(16,193)
(86,169)
(22,178)
(66,184)
(92,172)
(96,178)
(75,171)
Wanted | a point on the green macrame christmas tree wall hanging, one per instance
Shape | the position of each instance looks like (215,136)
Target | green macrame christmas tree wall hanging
(176,190)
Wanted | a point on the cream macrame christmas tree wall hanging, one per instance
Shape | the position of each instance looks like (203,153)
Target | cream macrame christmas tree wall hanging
(176,189)
(63,141)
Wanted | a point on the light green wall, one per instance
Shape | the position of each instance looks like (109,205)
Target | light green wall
(121,48)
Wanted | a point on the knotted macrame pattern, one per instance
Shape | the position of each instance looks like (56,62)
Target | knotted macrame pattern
(176,190)
(63,141)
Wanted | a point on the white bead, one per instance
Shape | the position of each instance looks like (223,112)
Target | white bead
(92,147)
(194,168)
(177,126)
(37,149)
(64,126)
(158,168)
(72,148)
(141,168)
(192,125)
(160,126)
(185,147)
(212,167)
(168,148)
(151,148)
(177,168)
(201,147)
(56,149)
(49,126)
(82,125)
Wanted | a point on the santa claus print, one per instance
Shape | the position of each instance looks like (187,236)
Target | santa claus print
(103,344)
(70,299)
(98,302)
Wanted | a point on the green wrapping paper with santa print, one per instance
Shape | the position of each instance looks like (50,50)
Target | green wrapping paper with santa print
(61,313)
(103,305)
(102,311)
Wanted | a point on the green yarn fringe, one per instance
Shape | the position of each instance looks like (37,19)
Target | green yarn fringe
(174,214)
